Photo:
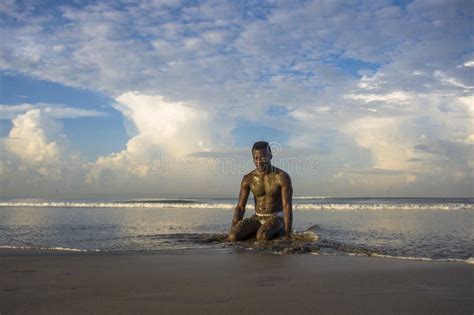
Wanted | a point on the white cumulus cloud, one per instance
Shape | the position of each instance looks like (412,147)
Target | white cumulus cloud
(164,130)
(36,137)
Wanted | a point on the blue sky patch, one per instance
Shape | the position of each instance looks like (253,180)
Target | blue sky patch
(92,136)
(247,133)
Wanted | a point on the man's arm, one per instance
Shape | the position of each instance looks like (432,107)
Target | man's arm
(243,196)
(287,201)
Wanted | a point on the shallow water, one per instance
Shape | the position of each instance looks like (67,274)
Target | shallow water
(422,228)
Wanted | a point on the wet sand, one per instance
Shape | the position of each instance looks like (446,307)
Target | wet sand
(226,282)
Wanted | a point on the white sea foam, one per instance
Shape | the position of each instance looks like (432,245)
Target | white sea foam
(311,197)
(197,205)
(385,206)
(468,261)
(61,204)
(67,249)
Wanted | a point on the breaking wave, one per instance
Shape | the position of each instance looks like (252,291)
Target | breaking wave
(182,203)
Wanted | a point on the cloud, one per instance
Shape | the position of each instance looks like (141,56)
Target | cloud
(380,135)
(177,127)
(36,154)
(420,143)
(11,111)
(381,92)
(36,157)
(57,111)
(164,129)
(396,97)
(36,137)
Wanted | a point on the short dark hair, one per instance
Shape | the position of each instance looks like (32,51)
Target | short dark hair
(262,145)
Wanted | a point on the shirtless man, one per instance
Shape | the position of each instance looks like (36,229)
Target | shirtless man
(272,191)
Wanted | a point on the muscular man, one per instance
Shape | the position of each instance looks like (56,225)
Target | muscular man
(272,191)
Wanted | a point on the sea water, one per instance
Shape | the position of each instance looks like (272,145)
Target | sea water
(418,228)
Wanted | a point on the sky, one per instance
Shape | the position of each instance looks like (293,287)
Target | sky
(165,98)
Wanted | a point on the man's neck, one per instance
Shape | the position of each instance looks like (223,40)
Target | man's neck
(266,171)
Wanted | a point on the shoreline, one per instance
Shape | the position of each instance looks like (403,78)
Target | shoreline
(12,250)
(228,282)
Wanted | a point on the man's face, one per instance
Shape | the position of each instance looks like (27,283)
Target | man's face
(262,159)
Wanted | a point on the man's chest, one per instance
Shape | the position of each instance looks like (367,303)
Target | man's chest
(265,185)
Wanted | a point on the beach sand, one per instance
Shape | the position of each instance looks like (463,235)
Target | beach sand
(228,282)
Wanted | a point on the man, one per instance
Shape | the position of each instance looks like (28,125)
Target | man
(272,191)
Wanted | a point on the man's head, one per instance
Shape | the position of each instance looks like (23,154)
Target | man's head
(262,155)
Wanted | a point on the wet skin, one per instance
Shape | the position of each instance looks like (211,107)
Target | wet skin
(272,192)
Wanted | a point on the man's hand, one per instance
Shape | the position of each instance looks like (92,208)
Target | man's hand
(235,220)
(287,200)
(243,196)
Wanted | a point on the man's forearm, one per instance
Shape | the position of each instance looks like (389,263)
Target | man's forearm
(238,214)
(288,213)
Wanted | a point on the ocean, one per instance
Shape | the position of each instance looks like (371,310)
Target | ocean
(404,228)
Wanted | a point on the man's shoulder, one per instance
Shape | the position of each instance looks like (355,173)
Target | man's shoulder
(280,172)
(249,175)
(282,177)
